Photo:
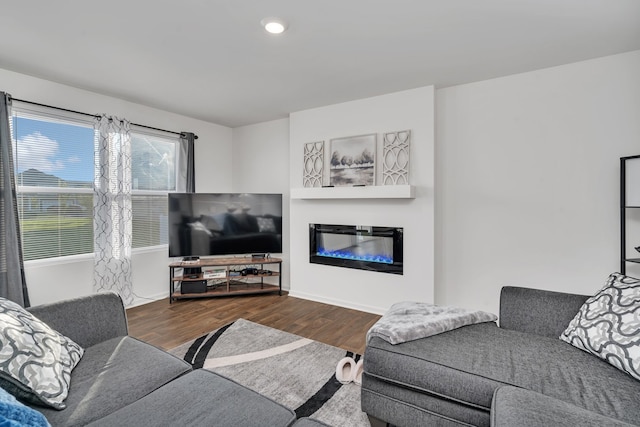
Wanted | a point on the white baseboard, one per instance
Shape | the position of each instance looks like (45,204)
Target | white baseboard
(140,300)
(339,303)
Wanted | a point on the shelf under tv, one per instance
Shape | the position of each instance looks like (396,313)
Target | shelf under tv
(247,289)
(230,285)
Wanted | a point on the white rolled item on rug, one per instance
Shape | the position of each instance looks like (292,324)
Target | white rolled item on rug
(345,370)
(357,372)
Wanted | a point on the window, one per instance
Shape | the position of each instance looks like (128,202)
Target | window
(54,178)
(54,165)
(153,170)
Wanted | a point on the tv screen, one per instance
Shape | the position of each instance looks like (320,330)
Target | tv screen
(203,224)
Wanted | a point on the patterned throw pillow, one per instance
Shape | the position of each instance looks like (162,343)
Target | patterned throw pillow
(266,225)
(608,324)
(35,361)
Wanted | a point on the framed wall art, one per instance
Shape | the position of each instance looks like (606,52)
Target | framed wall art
(353,161)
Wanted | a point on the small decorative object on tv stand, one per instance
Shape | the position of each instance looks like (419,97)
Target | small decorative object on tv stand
(229,283)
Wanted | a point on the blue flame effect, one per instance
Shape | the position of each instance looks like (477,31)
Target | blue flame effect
(384,259)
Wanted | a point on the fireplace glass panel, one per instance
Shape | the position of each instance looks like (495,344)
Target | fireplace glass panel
(356,247)
(371,248)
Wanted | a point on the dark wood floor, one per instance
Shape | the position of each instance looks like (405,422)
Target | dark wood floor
(169,325)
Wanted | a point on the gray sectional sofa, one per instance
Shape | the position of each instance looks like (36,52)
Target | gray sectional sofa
(121,381)
(518,374)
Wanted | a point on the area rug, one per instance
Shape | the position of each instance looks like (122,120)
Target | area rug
(296,372)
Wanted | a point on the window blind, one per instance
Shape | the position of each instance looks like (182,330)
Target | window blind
(53,158)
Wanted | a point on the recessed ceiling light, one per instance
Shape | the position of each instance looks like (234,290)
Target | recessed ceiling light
(274,25)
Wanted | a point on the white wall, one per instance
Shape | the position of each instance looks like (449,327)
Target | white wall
(53,280)
(526,170)
(261,165)
(528,180)
(365,290)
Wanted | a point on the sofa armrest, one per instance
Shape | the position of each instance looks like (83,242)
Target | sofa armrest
(536,311)
(86,320)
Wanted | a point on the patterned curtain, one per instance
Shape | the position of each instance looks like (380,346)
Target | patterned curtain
(112,207)
(13,285)
(186,170)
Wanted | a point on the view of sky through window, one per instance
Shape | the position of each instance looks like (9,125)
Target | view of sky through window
(63,150)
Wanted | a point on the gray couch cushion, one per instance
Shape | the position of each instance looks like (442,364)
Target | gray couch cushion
(87,320)
(468,364)
(201,398)
(514,406)
(114,374)
(537,311)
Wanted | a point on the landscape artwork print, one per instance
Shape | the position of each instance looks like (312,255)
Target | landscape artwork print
(353,161)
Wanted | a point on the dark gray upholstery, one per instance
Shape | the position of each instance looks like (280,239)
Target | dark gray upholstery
(133,383)
(404,406)
(468,364)
(442,370)
(201,398)
(114,374)
(451,378)
(536,311)
(87,320)
(514,406)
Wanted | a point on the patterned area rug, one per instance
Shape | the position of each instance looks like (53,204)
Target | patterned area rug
(296,372)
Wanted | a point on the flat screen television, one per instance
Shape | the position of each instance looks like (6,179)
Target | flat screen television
(207,224)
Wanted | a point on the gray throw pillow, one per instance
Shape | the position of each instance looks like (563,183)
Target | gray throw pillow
(35,361)
(608,324)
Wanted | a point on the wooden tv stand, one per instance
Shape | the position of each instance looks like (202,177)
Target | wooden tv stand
(229,283)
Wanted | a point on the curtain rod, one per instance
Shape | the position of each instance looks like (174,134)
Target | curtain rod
(94,116)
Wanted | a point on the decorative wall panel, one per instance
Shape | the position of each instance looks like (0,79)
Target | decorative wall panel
(395,158)
(313,164)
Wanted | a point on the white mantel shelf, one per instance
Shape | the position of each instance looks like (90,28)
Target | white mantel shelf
(368,192)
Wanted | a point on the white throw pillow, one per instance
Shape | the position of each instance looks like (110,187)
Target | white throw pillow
(608,324)
(35,361)
(266,225)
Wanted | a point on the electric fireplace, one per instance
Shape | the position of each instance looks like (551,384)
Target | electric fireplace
(355,246)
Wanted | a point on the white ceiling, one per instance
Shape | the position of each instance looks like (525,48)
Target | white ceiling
(211,60)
